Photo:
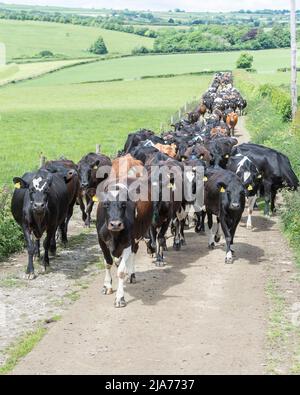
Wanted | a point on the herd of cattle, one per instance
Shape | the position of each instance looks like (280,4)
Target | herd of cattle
(43,201)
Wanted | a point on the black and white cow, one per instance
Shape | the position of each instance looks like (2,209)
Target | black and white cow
(251,178)
(40,204)
(275,168)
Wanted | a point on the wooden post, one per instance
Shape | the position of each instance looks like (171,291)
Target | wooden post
(42,160)
(98,148)
(172,120)
(294,94)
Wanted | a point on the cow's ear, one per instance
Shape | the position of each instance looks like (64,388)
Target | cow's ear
(49,179)
(222,187)
(20,183)
(96,165)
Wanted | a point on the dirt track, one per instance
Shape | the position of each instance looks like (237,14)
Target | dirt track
(196,315)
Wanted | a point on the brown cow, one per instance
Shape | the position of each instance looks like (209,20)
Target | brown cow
(169,150)
(231,121)
(126,166)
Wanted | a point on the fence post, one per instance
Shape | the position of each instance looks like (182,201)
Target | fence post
(98,148)
(42,160)
(172,120)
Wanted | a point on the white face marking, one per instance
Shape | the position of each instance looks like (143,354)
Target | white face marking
(247,175)
(37,184)
(115,193)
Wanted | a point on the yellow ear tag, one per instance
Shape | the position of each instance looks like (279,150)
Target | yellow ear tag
(18,185)
(95,199)
(226,156)
(183,159)
(171,186)
(205,179)
(259,176)
(222,190)
(250,188)
(95,167)
(201,157)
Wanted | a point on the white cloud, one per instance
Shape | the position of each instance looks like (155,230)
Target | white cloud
(190,5)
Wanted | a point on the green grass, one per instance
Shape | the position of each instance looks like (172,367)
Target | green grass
(27,38)
(70,120)
(24,346)
(135,67)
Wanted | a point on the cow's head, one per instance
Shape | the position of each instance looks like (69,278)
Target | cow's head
(38,190)
(116,206)
(86,171)
(233,193)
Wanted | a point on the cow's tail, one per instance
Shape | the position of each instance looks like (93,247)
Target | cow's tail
(288,174)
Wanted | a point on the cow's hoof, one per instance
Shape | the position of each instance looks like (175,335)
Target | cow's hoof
(107,291)
(177,246)
(217,239)
(228,261)
(119,303)
(183,242)
(211,246)
(132,279)
(43,269)
(160,263)
(30,276)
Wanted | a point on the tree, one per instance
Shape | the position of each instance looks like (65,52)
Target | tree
(99,47)
(244,61)
(294,58)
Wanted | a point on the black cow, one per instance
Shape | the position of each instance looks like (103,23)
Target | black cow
(87,169)
(134,139)
(40,204)
(275,168)
(220,149)
(68,170)
(224,197)
(121,223)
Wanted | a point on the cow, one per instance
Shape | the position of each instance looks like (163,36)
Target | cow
(134,139)
(251,178)
(231,121)
(121,224)
(88,167)
(68,170)
(220,149)
(275,168)
(225,198)
(40,204)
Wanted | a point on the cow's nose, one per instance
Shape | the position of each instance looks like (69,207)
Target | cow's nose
(84,184)
(116,225)
(38,206)
(235,205)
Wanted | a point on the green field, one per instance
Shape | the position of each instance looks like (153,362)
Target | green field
(135,67)
(71,119)
(28,38)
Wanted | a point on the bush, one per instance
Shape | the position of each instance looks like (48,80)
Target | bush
(140,50)
(11,238)
(244,61)
(280,99)
(99,47)
(45,54)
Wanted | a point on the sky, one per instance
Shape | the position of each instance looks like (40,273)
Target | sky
(158,5)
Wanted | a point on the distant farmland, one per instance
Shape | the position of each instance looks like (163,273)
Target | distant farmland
(267,61)
(27,38)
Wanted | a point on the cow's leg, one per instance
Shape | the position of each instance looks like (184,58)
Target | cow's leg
(31,247)
(52,246)
(273,200)
(217,237)
(182,227)
(47,243)
(107,287)
(63,233)
(226,225)
(251,204)
(162,244)
(177,243)
(211,240)
(89,209)
(122,270)
(82,208)
(267,192)
(37,249)
(68,218)
(200,224)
